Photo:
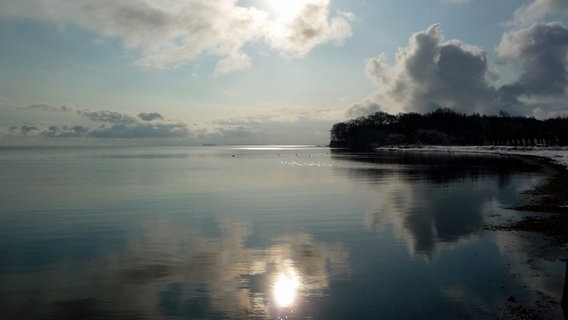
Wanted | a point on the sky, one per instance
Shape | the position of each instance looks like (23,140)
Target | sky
(191,72)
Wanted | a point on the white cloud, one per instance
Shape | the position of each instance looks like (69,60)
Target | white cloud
(171,33)
(431,73)
(308,29)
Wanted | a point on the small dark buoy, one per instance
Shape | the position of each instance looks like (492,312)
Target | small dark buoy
(233,156)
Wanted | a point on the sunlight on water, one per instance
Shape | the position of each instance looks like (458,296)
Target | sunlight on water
(307,163)
(261,232)
(286,288)
(274,147)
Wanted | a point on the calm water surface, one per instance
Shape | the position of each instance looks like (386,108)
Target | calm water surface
(263,233)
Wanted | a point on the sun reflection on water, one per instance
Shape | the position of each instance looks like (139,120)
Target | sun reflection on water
(285,289)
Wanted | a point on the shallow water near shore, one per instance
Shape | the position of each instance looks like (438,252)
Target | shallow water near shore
(265,233)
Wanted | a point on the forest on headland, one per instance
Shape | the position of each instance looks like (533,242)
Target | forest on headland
(447,127)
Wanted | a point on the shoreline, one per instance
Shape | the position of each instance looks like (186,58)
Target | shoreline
(551,196)
(549,199)
(557,155)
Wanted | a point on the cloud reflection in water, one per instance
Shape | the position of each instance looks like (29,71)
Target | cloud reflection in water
(173,270)
(435,200)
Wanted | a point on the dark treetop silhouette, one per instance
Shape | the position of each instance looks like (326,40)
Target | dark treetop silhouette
(447,127)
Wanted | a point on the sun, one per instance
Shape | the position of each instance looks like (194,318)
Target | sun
(287,9)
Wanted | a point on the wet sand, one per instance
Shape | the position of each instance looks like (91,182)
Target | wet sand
(551,200)
(548,202)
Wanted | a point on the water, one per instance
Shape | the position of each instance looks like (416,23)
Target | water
(264,233)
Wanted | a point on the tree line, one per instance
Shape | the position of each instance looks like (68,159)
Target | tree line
(447,127)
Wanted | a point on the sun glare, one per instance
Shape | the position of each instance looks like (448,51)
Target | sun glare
(287,9)
(285,289)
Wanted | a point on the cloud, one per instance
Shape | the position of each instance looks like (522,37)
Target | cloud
(112,125)
(122,125)
(272,126)
(541,51)
(138,131)
(47,107)
(25,130)
(150,116)
(66,131)
(106,116)
(537,10)
(430,73)
(308,29)
(172,33)
(362,109)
